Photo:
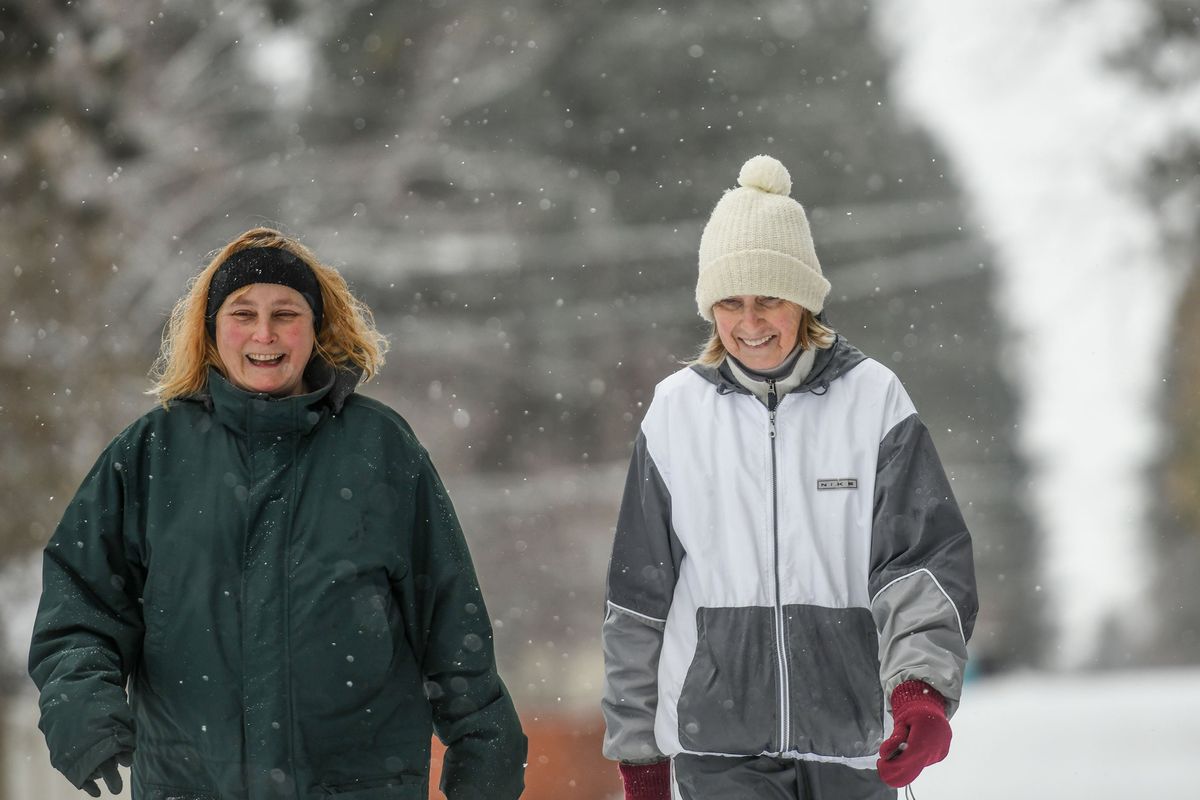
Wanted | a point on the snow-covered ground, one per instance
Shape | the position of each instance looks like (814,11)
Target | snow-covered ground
(1057,736)
(1067,736)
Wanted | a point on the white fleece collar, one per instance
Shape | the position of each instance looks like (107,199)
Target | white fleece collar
(758,386)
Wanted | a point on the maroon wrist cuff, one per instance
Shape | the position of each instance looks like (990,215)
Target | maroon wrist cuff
(917,695)
(647,781)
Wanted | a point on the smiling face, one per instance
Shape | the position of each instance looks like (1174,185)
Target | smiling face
(758,331)
(265,338)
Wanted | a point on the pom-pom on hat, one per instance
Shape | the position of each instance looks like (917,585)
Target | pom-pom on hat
(758,242)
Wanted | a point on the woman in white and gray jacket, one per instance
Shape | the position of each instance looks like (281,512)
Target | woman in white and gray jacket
(790,563)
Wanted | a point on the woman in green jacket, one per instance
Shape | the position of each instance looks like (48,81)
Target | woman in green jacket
(270,565)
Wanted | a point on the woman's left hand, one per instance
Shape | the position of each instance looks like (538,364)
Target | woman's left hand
(920,736)
(108,773)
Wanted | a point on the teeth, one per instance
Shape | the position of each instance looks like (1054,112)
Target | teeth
(757,342)
(261,357)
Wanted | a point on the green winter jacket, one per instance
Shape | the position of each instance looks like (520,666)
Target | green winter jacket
(285,589)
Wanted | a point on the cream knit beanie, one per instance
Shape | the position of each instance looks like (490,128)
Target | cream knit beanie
(757,242)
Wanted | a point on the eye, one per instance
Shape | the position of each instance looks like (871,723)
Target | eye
(286,314)
(769,302)
(730,303)
(242,314)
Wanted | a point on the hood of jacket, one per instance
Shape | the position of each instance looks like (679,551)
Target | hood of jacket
(830,364)
(243,411)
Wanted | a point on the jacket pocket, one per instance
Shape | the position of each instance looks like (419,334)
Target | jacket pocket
(394,787)
(833,681)
(729,702)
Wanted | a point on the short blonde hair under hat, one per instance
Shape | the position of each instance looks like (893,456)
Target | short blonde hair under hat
(758,242)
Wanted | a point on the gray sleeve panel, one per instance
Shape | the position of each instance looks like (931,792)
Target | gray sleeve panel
(919,637)
(641,584)
(646,553)
(632,645)
(922,580)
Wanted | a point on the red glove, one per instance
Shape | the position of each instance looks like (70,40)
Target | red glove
(920,735)
(647,781)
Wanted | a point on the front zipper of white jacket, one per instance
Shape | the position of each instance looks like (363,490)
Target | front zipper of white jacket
(780,630)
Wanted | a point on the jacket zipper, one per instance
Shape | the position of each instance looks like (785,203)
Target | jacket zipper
(780,629)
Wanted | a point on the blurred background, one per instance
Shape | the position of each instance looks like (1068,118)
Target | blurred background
(1005,199)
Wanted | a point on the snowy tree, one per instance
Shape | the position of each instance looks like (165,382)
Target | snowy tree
(1076,140)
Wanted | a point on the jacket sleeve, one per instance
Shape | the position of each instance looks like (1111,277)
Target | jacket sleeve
(922,580)
(473,713)
(641,584)
(88,631)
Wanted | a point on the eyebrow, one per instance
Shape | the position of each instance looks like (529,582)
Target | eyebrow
(241,301)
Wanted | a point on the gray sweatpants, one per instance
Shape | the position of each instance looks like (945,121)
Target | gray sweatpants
(767,778)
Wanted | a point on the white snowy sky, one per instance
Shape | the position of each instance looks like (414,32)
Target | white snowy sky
(1051,140)
(284,60)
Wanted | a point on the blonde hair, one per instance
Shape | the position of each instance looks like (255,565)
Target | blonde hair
(813,334)
(347,333)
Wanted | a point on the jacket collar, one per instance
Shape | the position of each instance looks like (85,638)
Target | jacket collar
(790,374)
(243,412)
(342,381)
(830,364)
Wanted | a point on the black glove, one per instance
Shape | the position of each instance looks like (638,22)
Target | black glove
(109,773)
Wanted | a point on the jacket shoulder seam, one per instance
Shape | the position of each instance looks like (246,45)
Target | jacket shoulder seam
(386,413)
(898,423)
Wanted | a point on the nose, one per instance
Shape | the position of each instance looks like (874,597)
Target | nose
(750,314)
(263,331)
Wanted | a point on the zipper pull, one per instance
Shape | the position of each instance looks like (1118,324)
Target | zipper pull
(772,404)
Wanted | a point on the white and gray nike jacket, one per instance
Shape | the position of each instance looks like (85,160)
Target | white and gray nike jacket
(778,569)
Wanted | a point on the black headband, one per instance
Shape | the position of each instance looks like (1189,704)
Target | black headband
(262,265)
